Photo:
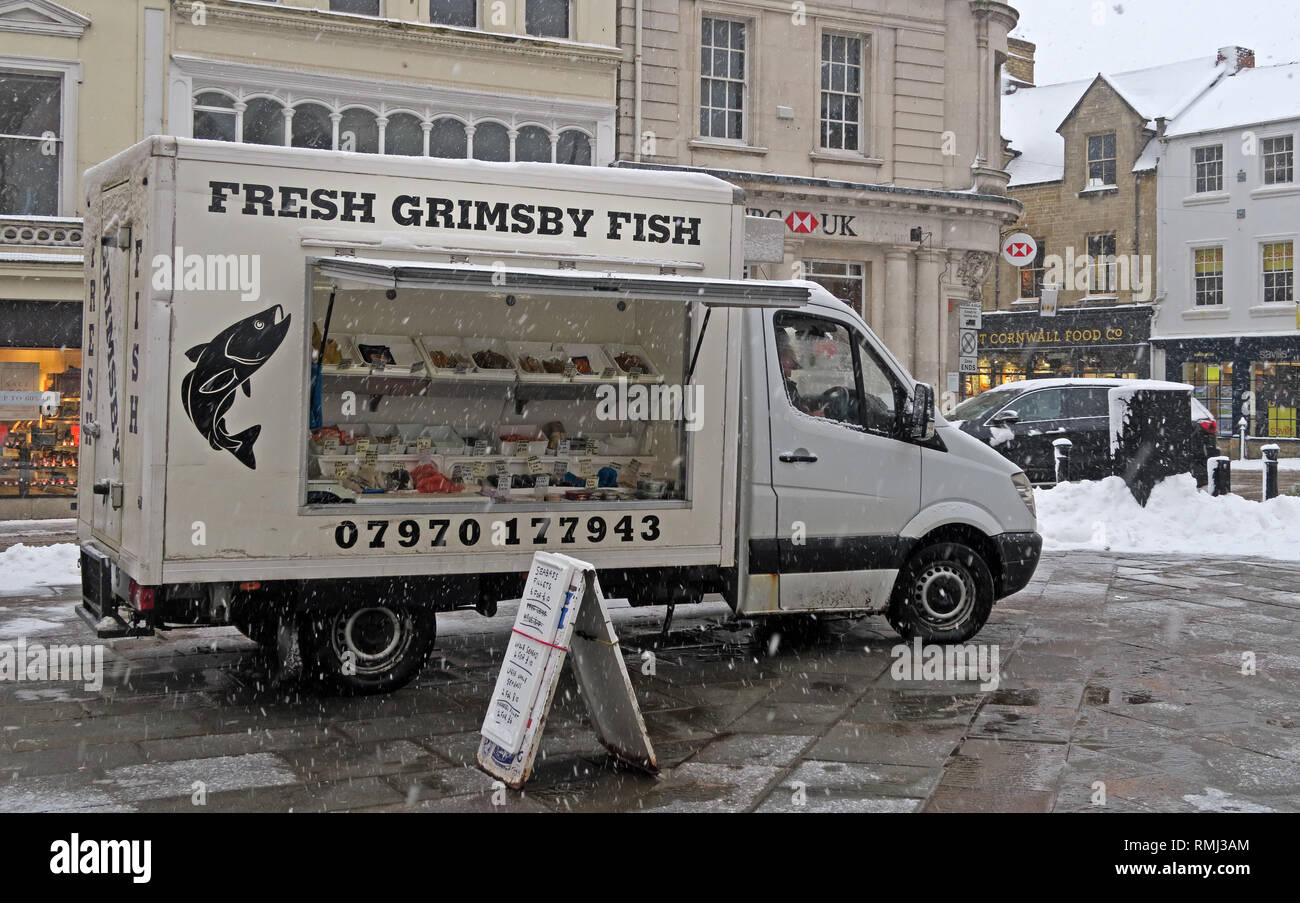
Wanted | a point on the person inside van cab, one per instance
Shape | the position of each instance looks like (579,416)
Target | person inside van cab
(789,363)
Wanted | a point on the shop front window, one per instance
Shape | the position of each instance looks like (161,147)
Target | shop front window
(1212,382)
(40,413)
(1275,396)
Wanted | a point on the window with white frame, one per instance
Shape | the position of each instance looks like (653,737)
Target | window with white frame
(1207,267)
(1209,168)
(1279,159)
(31,143)
(841,92)
(1101,251)
(1101,161)
(842,279)
(230,115)
(1279,271)
(547,18)
(722,78)
(463,13)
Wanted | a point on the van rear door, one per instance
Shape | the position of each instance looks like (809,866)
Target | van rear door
(108,356)
(844,480)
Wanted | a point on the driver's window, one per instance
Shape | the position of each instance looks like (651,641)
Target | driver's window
(879,394)
(816,359)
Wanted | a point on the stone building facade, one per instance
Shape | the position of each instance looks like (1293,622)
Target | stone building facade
(870,131)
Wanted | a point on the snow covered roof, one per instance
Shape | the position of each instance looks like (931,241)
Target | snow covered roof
(1264,94)
(1031,116)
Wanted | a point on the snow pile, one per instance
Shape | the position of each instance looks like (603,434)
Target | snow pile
(24,567)
(1178,519)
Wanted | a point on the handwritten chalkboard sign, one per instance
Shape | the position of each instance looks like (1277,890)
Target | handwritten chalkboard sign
(562,617)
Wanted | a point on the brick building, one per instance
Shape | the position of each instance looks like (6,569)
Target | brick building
(1082,158)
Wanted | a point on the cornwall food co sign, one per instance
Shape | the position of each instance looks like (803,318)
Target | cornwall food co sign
(461,213)
(1052,338)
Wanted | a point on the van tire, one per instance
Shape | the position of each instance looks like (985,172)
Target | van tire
(388,644)
(921,602)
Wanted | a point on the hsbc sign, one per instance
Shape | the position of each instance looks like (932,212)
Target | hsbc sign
(802,222)
(1020,249)
(807,222)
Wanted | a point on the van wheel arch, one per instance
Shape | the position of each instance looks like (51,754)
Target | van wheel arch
(967,535)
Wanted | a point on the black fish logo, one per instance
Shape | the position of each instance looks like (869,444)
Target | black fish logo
(223,367)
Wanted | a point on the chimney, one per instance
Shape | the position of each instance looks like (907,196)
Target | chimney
(1237,57)
(1019,66)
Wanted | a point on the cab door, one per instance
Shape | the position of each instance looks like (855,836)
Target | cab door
(845,482)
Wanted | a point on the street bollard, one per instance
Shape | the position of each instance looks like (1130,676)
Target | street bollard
(1241,444)
(1220,474)
(1062,447)
(1270,453)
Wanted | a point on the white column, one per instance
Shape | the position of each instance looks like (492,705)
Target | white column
(926,359)
(335,119)
(288,126)
(899,321)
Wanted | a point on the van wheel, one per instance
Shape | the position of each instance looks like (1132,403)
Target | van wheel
(944,594)
(367,646)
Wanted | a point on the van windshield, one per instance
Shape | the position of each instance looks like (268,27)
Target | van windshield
(980,406)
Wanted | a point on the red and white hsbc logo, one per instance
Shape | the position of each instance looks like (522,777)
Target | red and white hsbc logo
(1019,250)
(802,222)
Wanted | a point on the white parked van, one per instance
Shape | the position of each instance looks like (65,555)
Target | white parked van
(328,395)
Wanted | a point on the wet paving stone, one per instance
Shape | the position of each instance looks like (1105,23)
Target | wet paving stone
(1116,671)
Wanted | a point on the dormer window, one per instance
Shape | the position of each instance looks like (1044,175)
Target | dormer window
(1101,161)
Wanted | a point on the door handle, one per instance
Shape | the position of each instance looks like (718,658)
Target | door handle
(789,458)
(101,487)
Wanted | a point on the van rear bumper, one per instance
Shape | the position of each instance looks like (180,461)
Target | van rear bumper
(1019,554)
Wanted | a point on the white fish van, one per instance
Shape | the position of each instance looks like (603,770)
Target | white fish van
(327,396)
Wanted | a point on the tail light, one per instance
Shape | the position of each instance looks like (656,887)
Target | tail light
(1210,425)
(142,597)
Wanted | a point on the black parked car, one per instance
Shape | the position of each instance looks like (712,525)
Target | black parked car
(1021,420)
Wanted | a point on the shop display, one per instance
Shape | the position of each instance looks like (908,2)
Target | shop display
(446,418)
(39,453)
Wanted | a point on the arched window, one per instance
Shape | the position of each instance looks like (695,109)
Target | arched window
(491,142)
(533,145)
(404,136)
(312,127)
(214,117)
(447,139)
(264,122)
(573,147)
(359,131)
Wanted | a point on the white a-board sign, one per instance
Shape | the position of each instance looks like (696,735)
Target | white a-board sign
(562,616)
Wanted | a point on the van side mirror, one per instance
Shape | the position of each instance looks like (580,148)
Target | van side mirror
(1003,418)
(921,416)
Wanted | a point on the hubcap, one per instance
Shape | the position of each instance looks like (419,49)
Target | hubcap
(376,638)
(944,594)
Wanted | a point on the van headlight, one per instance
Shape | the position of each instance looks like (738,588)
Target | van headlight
(1026,490)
